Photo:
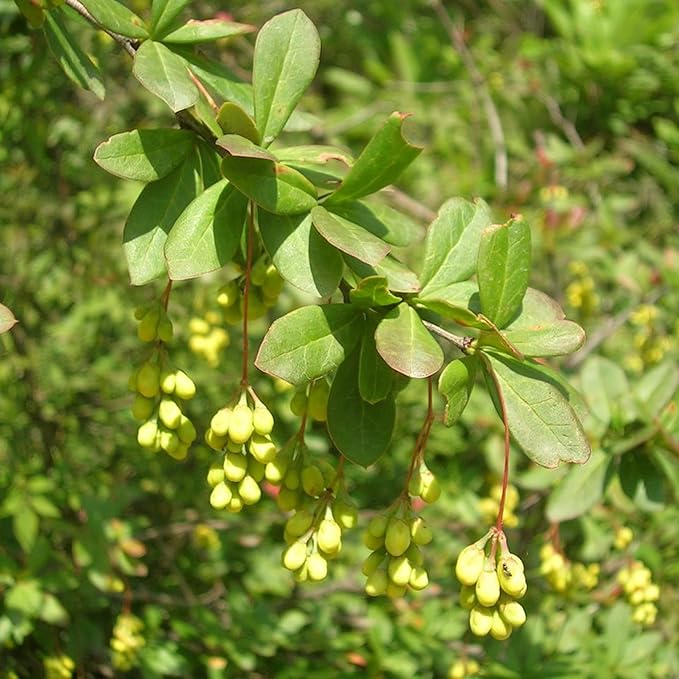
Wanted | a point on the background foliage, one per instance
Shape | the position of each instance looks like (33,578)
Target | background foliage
(587,95)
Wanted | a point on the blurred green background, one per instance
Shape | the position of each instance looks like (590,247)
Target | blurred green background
(563,110)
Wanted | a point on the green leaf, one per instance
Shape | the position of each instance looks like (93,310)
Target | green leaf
(375,378)
(503,267)
(642,481)
(73,61)
(323,166)
(287,53)
(301,256)
(163,15)
(309,342)
(373,291)
(25,524)
(117,18)
(383,159)
(381,220)
(540,418)
(452,243)
(144,155)
(406,345)
(207,234)
(44,506)
(349,237)
(33,14)
(152,216)
(275,187)
(361,431)
(51,610)
(194,31)
(581,489)
(25,597)
(234,120)
(457,302)
(455,384)
(242,147)
(655,389)
(7,320)
(399,277)
(165,74)
(558,339)
(607,391)
(537,311)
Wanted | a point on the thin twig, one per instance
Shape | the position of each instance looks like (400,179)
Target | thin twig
(462,343)
(493,117)
(130,46)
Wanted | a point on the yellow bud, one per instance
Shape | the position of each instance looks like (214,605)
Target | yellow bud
(146,434)
(512,612)
(165,329)
(235,466)
(395,591)
(457,671)
(240,426)
(255,469)
(186,431)
(184,386)
(220,422)
(399,570)
(488,587)
(167,381)
(378,525)
(262,420)
(294,556)
(275,470)
(318,401)
(236,504)
(312,481)
(468,597)
(215,442)
(262,448)
(329,536)
(500,629)
(469,564)
(480,620)
(169,441)
(418,578)
(377,583)
(142,407)
(372,563)
(228,294)
(345,513)
(198,326)
(372,542)
(317,567)
(510,574)
(420,532)
(397,537)
(148,325)
(221,496)
(148,380)
(249,491)
(169,413)
(215,475)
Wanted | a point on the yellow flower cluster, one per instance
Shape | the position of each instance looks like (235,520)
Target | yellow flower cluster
(489,506)
(208,339)
(463,668)
(58,667)
(580,291)
(564,575)
(641,592)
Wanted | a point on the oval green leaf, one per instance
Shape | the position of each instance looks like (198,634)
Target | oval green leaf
(375,378)
(117,18)
(195,31)
(455,384)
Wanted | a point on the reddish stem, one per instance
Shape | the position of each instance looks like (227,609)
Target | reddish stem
(422,437)
(246,292)
(165,297)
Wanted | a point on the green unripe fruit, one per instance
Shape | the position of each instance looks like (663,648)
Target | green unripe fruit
(287,499)
(499,628)
(317,567)
(215,442)
(148,380)
(233,314)
(146,434)
(142,407)
(301,574)
(186,431)
(275,471)
(255,469)
(414,555)
(292,479)
(312,481)
(235,466)
(180,452)
(467,597)
(199,326)
(397,537)
(488,588)
(299,523)
(169,413)
(142,310)
(371,564)
(345,513)
(240,427)
(132,381)
(215,475)
(165,330)
(372,542)
(294,556)
(262,420)
(169,441)
(431,490)
(236,504)
(220,496)
(298,403)
(234,447)
(399,570)
(167,381)
(228,294)
(415,485)
(329,536)
(510,575)
(377,583)
(258,271)
(513,613)
(469,564)
(184,386)
(378,525)
(273,283)
(420,532)
(395,591)
(318,401)
(480,620)
(249,491)
(262,448)
(418,578)
(148,325)
(328,471)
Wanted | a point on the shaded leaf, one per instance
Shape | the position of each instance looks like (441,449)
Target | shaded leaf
(163,15)
(655,389)
(207,233)
(165,74)
(607,391)
(242,147)
(540,418)
(380,163)
(273,186)
(7,319)
(456,383)
(642,481)
(399,277)
(287,52)
(309,342)
(300,254)
(581,488)
(349,237)
(375,378)
(537,310)
(33,14)
(232,119)
(25,524)
(373,291)
(144,155)
(361,431)
(116,17)
(194,31)
(25,597)
(457,302)
(452,243)
(558,339)
(503,267)
(73,61)
(406,345)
